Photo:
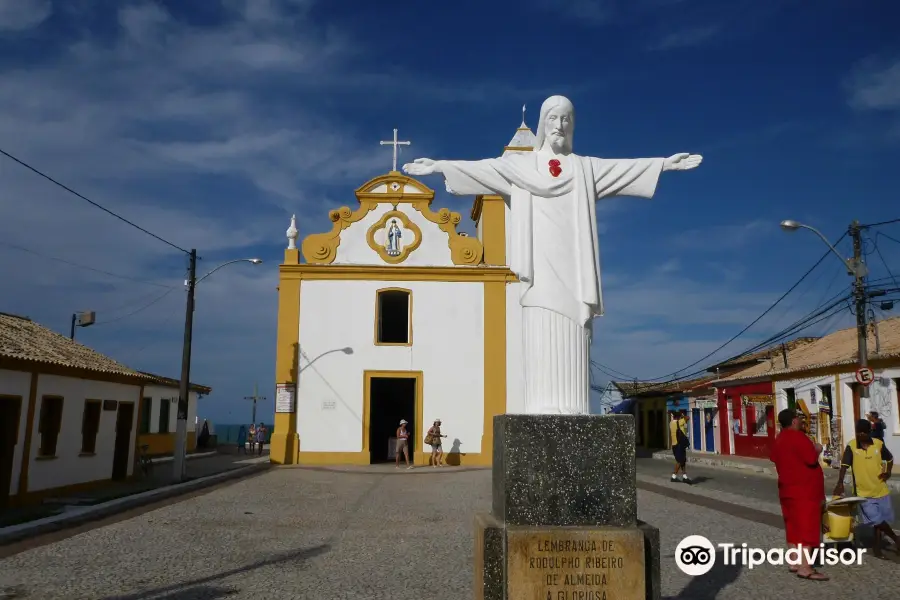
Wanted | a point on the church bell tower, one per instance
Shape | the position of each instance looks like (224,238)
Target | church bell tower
(490,212)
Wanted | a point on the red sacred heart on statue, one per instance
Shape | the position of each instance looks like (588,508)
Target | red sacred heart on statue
(555,169)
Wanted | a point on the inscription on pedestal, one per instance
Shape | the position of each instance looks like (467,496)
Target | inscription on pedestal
(575,564)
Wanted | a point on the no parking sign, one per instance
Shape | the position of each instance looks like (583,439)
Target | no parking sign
(865,376)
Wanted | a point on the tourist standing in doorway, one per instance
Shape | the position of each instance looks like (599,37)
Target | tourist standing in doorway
(403,443)
(261,437)
(801,489)
(871,463)
(434,440)
(251,437)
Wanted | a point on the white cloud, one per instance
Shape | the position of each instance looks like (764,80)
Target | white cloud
(589,12)
(178,129)
(19,15)
(662,322)
(875,85)
(724,237)
(686,38)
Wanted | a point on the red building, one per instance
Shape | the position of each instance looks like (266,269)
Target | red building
(750,412)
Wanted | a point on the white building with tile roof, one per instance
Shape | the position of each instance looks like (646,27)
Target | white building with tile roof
(69,416)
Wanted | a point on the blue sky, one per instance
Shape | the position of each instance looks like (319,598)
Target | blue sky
(210,123)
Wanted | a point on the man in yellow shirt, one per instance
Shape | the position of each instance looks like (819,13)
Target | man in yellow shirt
(679,441)
(871,463)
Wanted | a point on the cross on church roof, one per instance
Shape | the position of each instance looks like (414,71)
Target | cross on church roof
(396,145)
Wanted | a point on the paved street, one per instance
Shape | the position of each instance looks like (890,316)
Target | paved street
(304,533)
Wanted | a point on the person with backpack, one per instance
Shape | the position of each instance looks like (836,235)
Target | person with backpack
(679,441)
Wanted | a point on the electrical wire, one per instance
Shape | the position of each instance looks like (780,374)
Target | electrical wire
(757,319)
(884,262)
(805,323)
(609,371)
(141,309)
(133,356)
(881,223)
(883,234)
(80,266)
(89,201)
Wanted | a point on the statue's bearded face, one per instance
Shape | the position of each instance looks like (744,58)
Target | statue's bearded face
(558,127)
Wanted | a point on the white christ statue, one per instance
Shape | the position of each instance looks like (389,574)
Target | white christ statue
(552,193)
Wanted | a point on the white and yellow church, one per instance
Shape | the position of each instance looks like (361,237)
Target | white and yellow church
(394,314)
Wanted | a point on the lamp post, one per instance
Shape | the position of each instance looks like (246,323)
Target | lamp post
(178,460)
(857,269)
(82,319)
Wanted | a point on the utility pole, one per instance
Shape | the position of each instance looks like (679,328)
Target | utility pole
(181,424)
(861,300)
(255,397)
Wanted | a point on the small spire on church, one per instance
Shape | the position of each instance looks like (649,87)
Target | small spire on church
(292,233)
(523,125)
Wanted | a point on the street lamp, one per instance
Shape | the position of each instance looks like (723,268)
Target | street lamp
(858,270)
(178,460)
(854,266)
(82,319)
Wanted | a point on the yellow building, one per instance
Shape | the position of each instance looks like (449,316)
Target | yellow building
(395,315)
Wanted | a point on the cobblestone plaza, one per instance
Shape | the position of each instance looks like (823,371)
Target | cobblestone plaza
(318,533)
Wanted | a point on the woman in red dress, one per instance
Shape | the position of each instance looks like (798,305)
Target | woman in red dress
(801,489)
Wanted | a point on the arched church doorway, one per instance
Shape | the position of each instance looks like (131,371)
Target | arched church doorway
(390,398)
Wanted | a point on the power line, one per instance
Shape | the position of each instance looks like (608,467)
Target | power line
(89,201)
(881,223)
(133,356)
(801,325)
(141,309)
(877,251)
(609,371)
(757,319)
(882,234)
(80,266)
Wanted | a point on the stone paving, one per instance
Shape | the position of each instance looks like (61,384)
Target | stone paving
(300,533)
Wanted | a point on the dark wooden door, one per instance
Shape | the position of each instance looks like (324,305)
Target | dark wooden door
(124,423)
(10,408)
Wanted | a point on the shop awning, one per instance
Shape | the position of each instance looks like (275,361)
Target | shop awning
(623,407)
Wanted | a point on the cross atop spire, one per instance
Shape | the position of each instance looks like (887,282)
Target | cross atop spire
(396,146)
(523,125)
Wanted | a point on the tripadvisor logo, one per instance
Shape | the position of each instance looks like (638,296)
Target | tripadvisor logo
(695,555)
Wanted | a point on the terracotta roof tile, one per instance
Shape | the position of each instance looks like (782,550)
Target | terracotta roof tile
(764,354)
(23,339)
(836,349)
(661,388)
(169,382)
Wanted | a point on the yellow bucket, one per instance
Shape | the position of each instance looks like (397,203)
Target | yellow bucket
(840,521)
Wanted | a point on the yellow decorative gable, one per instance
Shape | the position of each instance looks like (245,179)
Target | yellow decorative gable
(389,207)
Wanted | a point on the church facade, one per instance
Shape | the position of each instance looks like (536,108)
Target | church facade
(394,314)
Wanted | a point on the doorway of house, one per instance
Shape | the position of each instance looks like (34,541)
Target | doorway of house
(391,399)
(10,407)
(124,421)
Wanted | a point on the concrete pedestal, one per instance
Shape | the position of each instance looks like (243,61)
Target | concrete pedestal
(564,521)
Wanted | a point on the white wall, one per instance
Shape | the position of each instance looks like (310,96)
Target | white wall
(882,398)
(17,383)
(433,251)
(808,390)
(448,348)
(68,467)
(158,393)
